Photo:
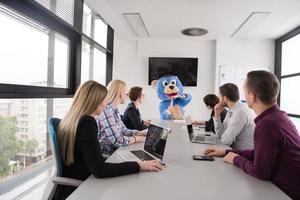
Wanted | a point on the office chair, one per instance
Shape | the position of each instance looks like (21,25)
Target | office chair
(57,178)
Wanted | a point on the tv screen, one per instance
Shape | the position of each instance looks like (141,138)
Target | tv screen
(184,68)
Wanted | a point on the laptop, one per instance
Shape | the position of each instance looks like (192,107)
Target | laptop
(199,135)
(154,147)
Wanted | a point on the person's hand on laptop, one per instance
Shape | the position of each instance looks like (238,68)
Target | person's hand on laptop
(152,165)
(147,122)
(213,151)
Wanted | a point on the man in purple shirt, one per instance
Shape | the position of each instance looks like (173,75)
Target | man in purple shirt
(276,153)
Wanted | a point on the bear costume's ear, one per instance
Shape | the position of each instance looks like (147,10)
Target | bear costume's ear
(153,84)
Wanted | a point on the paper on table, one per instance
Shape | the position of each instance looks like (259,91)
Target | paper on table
(179,120)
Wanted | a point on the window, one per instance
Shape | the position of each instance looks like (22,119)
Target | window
(61,106)
(43,57)
(93,26)
(94,51)
(25,142)
(288,71)
(290,56)
(296,122)
(93,65)
(63,8)
(20,56)
(86,20)
(289,99)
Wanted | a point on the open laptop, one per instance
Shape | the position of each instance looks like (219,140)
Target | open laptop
(154,147)
(199,135)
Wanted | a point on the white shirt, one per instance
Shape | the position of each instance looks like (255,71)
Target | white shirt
(237,128)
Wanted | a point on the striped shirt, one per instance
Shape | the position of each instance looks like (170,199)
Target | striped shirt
(112,131)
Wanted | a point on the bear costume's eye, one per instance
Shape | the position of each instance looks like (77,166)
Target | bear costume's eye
(165,83)
(173,82)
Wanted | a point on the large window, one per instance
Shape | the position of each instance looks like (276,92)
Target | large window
(287,69)
(94,43)
(45,54)
(27,55)
(93,64)
(93,26)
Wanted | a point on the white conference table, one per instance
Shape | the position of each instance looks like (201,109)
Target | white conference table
(182,179)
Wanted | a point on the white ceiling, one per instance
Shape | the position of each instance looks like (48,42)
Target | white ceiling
(166,18)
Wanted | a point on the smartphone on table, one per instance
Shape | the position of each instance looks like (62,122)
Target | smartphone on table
(203,157)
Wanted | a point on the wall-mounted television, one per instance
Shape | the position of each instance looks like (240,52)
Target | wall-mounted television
(184,68)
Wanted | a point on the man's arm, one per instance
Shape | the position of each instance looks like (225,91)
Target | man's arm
(219,126)
(234,128)
(249,153)
(265,153)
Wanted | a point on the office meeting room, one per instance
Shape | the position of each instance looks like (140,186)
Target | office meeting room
(149,99)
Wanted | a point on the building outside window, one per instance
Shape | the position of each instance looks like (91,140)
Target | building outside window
(39,61)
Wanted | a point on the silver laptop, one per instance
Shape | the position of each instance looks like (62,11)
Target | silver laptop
(154,147)
(199,135)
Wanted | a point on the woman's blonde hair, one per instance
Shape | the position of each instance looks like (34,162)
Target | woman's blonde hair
(86,100)
(114,90)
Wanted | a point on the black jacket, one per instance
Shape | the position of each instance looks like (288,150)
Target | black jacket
(132,118)
(209,125)
(89,160)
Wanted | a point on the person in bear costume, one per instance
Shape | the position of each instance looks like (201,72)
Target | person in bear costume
(170,91)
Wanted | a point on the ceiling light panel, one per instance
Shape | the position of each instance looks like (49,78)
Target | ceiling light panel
(137,24)
(250,23)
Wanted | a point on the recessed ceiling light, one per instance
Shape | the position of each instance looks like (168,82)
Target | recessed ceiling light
(194,31)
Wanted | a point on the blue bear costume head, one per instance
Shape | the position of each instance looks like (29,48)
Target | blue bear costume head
(170,91)
(168,88)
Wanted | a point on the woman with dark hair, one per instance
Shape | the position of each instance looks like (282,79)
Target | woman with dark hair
(210,101)
(132,117)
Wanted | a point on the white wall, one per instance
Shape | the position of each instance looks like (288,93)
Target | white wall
(244,53)
(131,59)
(131,65)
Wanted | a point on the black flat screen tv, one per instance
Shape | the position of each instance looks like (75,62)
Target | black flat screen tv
(184,68)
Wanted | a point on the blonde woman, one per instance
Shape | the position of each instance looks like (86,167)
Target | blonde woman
(77,138)
(112,131)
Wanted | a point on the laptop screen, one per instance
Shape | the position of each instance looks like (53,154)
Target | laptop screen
(156,141)
(189,126)
(190,131)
